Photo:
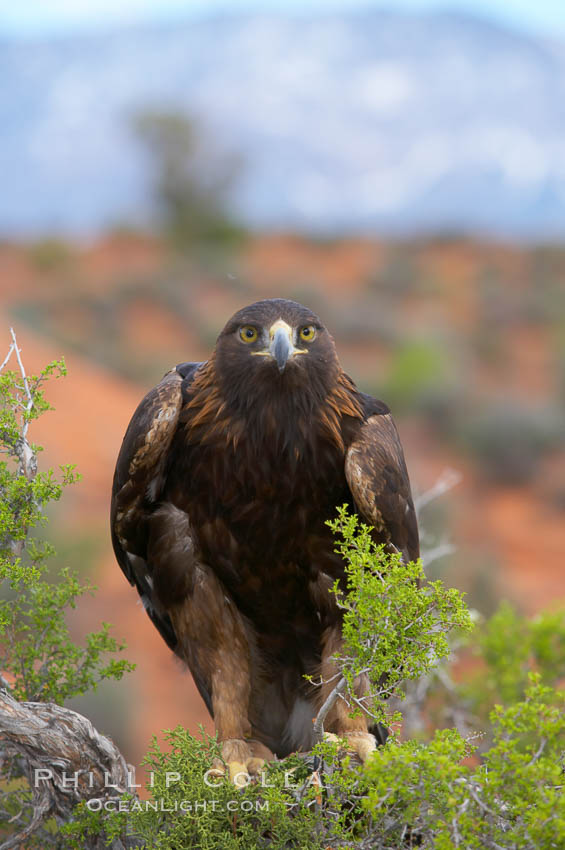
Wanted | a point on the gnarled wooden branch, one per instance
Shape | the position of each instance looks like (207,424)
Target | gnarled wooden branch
(66,759)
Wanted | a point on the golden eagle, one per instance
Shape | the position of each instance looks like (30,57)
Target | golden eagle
(226,476)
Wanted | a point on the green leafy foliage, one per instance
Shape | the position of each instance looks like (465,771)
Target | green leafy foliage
(511,648)
(40,657)
(188,807)
(395,624)
(425,795)
(409,794)
(24,490)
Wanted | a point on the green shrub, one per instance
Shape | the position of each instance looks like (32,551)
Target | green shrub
(425,795)
(409,794)
(512,649)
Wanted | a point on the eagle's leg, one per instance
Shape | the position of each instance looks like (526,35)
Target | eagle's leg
(339,720)
(215,644)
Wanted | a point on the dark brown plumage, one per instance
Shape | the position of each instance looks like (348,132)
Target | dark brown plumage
(226,476)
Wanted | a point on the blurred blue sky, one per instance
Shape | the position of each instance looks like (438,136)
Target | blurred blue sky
(43,17)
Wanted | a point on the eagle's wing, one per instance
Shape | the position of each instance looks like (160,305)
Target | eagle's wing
(138,481)
(376,473)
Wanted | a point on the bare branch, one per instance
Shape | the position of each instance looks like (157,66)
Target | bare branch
(24,452)
(448,479)
(325,709)
(7,357)
(436,552)
(29,397)
(40,814)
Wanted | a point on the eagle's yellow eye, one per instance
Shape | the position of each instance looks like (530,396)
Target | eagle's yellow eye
(307,333)
(248,333)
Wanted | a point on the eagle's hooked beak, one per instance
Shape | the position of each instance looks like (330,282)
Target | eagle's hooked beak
(282,346)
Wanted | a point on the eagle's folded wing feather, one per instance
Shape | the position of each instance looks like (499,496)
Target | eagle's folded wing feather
(138,481)
(377,477)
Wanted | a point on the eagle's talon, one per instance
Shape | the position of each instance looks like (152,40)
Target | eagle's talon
(332,738)
(255,766)
(241,763)
(218,770)
(362,744)
(359,744)
(238,774)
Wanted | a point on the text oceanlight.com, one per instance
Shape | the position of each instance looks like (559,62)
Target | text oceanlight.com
(118,804)
(82,780)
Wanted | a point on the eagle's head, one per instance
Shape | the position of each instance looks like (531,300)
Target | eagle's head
(275,377)
(276,346)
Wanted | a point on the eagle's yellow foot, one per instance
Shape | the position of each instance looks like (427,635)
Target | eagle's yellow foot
(331,738)
(241,760)
(361,744)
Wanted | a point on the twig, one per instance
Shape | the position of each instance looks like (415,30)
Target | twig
(448,479)
(477,799)
(29,396)
(23,450)
(7,357)
(539,751)
(440,551)
(318,731)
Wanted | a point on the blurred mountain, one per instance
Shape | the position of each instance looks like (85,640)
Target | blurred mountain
(373,120)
